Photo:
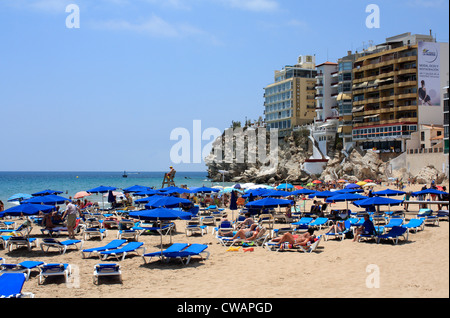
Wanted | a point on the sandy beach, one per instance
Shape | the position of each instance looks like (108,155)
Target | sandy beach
(418,268)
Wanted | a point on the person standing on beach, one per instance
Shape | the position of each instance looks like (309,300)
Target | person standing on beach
(71,212)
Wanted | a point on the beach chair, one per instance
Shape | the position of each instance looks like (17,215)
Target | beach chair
(114,244)
(132,234)
(443,215)
(394,222)
(110,223)
(7,225)
(56,269)
(302,224)
(276,246)
(125,224)
(195,225)
(56,231)
(415,225)
(260,239)
(121,252)
(174,248)
(11,285)
(186,254)
(4,240)
(208,220)
(94,232)
(102,270)
(394,234)
(62,246)
(267,220)
(318,223)
(430,219)
(224,227)
(340,235)
(24,267)
(18,241)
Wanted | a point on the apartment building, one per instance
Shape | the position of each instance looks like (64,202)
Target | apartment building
(290,99)
(385,94)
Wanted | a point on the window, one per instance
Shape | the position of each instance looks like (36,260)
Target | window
(422,136)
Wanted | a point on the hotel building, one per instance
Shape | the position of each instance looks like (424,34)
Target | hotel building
(386,95)
(290,100)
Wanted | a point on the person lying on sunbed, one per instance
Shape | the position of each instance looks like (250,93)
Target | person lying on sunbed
(248,234)
(295,240)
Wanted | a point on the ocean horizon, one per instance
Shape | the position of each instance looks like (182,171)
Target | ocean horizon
(71,182)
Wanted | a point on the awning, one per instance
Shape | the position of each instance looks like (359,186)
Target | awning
(357,109)
(372,116)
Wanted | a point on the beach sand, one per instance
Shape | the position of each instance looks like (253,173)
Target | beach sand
(418,268)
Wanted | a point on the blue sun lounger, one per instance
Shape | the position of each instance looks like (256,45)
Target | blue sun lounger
(11,285)
(60,245)
(187,253)
(114,244)
(317,223)
(394,234)
(54,269)
(174,248)
(107,270)
(23,267)
(131,247)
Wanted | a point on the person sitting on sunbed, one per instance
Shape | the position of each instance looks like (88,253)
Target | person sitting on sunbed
(367,228)
(336,228)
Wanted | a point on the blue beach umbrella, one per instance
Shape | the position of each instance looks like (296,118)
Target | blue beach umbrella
(205,190)
(269,203)
(19,197)
(148,192)
(352,186)
(428,191)
(303,191)
(376,202)
(135,188)
(284,186)
(322,194)
(388,193)
(50,199)
(27,209)
(101,189)
(46,192)
(345,197)
(276,193)
(166,202)
(160,214)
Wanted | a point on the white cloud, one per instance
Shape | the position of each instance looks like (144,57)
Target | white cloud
(252,5)
(155,26)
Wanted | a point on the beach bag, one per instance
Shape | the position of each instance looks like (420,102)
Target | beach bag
(349,235)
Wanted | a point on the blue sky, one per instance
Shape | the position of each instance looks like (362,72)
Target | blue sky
(105,96)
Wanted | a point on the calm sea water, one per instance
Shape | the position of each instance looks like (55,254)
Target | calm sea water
(72,182)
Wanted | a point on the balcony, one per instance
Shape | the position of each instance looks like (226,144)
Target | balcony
(408,95)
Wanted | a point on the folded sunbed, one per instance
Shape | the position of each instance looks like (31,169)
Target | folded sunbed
(107,270)
(58,269)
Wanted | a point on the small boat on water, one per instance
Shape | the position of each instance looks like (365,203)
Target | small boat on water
(125,174)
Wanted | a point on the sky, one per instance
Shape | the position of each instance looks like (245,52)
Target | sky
(105,96)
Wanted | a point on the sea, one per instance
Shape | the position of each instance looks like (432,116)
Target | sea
(72,182)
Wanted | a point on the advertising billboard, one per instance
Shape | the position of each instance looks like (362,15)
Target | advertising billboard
(429,74)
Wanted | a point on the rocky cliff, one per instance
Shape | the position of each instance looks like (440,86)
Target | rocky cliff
(286,164)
